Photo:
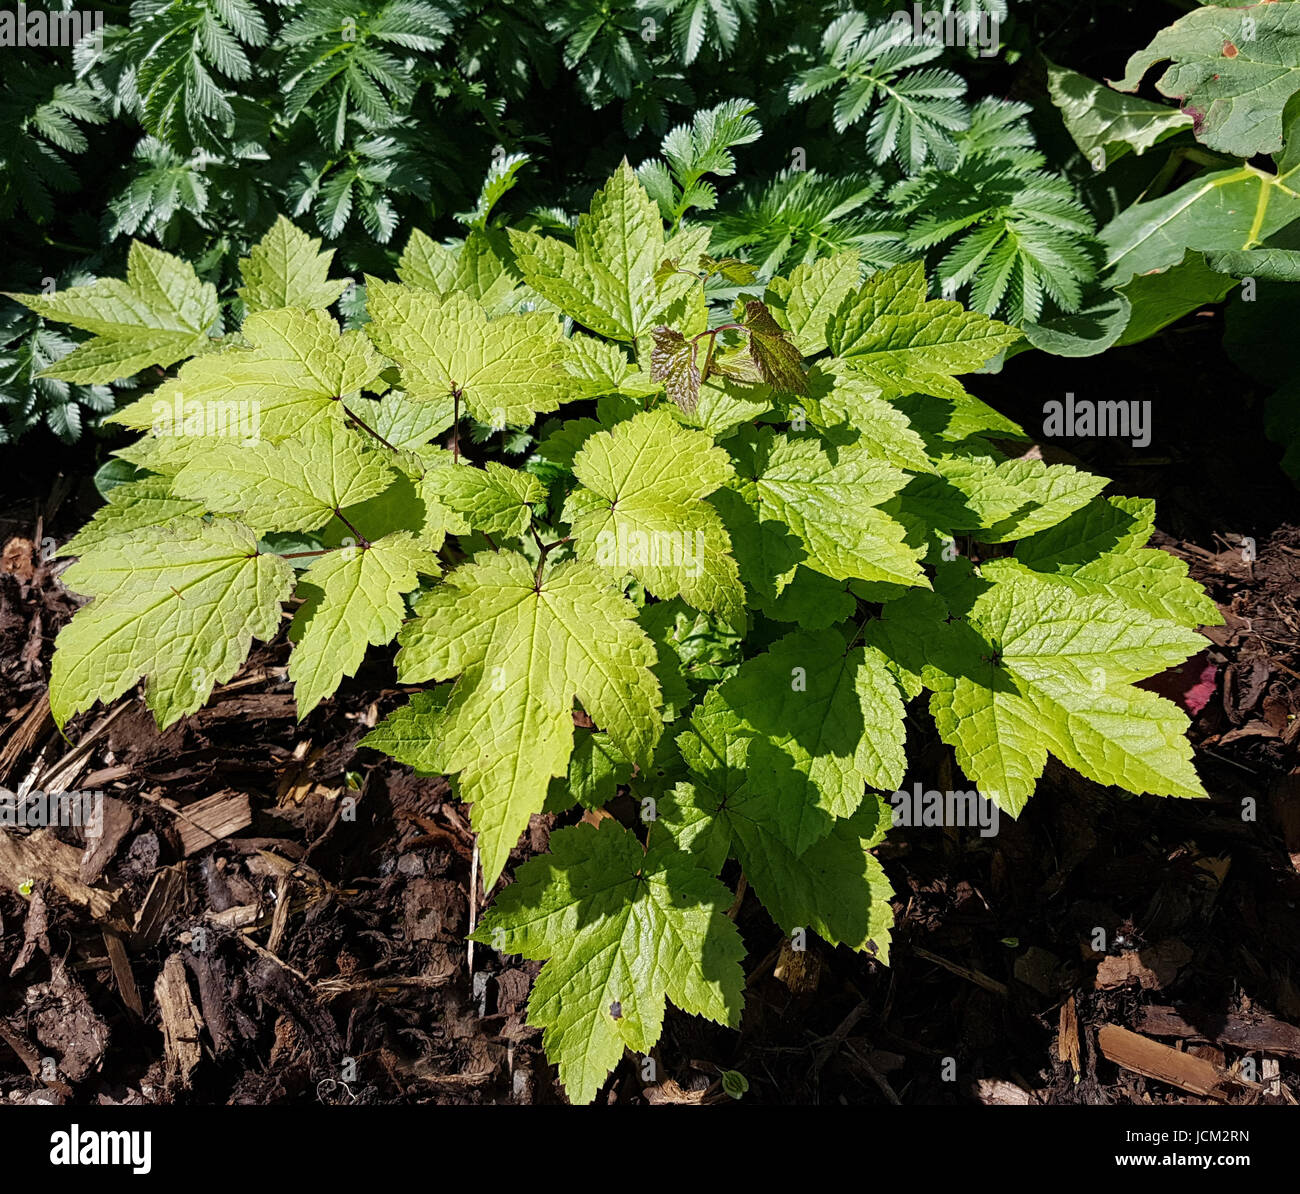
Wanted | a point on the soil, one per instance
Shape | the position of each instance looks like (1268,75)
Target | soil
(326,919)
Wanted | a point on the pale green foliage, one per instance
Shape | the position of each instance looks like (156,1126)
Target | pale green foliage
(606,279)
(641,510)
(622,929)
(674,595)
(179,603)
(294,485)
(522,649)
(158,316)
(504,370)
(897,337)
(354,599)
(296,368)
(287,269)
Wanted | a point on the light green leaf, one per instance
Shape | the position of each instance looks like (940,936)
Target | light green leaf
(622,929)
(839,396)
(146,502)
(287,269)
(494,499)
(1099,549)
(827,723)
(829,501)
(523,649)
(506,370)
(158,316)
(292,375)
(606,280)
(836,887)
(641,510)
(294,485)
(1227,209)
(179,604)
(596,768)
(807,300)
(1026,667)
(895,335)
(481,266)
(353,599)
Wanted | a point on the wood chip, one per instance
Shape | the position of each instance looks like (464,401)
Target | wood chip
(24,732)
(1151,968)
(238,917)
(280,917)
(35,933)
(207,821)
(1154,1060)
(162,899)
(181,1022)
(1253,1033)
(997,1092)
(40,857)
(100,848)
(799,969)
(1067,1037)
(121,964)
(669,1093)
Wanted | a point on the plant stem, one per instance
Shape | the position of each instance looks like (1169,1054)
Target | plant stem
(366,427)
(455,425)
(712,334)
(361,539)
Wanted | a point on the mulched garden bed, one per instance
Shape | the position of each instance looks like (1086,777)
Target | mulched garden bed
(275,916)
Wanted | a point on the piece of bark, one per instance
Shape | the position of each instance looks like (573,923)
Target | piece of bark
(1153,968)
(1252,1033)
(1067,1038)
(799,969)
(997,1092)
(121,964)
(207,821)
(117,818)
(62,1018)
(22,1048)
(238,917)
(280,917)
(24,732)
(160,902)
(1154,1060)
(35,933)
(181,1023)
(40,856)
(211,977)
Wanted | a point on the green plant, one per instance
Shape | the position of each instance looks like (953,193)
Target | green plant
(1215,206)
(737,552)
(197,122)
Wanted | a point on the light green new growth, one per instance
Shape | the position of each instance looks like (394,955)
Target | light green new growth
(159,315)
(521,648)
(695,609)
(622,928)
(287,269)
